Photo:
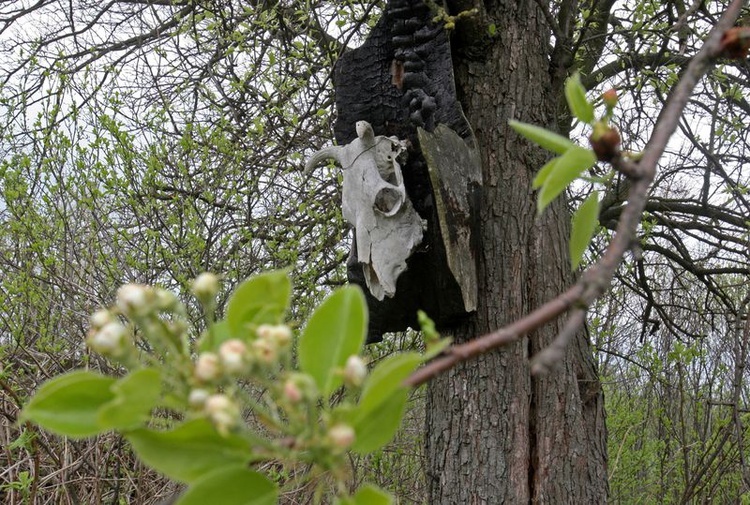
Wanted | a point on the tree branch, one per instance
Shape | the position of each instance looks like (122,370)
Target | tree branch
(596,279)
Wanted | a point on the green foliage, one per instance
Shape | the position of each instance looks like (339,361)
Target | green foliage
(547,139)
(559,173)
(575,94)
(565,170)
(585,221)
(262,299)
(190,451)
(69,404)
(368,495)
(336,330)
(209,444)
(231,485)
(382,402)
(82,404)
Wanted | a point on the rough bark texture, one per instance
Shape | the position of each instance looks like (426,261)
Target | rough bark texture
(495,435)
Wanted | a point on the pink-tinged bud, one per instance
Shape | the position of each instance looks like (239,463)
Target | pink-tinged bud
(300,386)
(205,287)
(341,436)
(355,371)
(233,354)
(222,412)
(292,392)
(197,398)
(266,351)
(609,98)
(135,300)
(208,367)
(109,340)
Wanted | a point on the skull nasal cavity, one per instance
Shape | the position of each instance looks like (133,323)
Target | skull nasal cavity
(388,201)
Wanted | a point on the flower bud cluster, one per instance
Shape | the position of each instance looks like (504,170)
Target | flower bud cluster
(223,412)
(197,398)
(236,358)
(271,342)
(136,300)
(107,336)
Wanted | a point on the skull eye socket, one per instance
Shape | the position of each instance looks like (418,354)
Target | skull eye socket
(388,201)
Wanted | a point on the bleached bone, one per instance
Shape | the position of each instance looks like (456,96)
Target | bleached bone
(374,201)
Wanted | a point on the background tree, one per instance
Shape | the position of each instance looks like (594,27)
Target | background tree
(148,141)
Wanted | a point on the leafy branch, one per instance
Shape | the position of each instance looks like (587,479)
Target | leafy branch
(185,404)
(594,281)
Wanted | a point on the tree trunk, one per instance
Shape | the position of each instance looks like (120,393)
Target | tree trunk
(495,434)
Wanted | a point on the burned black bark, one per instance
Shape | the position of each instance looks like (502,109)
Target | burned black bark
(399,80)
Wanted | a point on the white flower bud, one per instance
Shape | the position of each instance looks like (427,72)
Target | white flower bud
(101,318)
(264,331)
(266,351)
(341,436)
(280,334)
(222,411)
(208,367)
(205,286)
(355,371)
(233,354)
(108,341)
(134,299)
(197,398)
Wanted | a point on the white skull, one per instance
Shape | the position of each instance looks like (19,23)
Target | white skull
(388,229)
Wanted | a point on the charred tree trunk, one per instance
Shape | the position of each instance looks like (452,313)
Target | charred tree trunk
(495,434)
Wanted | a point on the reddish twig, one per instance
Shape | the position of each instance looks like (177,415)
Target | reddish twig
(596,279)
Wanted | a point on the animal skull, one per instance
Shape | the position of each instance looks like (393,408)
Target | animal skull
(387,228)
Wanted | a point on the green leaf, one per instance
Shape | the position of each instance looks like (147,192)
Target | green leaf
(568,167)
(190,451)
(386,378)
(336,330)
(220,333)
(262,299)
(231,485)
(585,220)
(135,395)
(68,405)
(372,495)
(549,140)
(543,173)
(379,427)
(575,94)
(381,406)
